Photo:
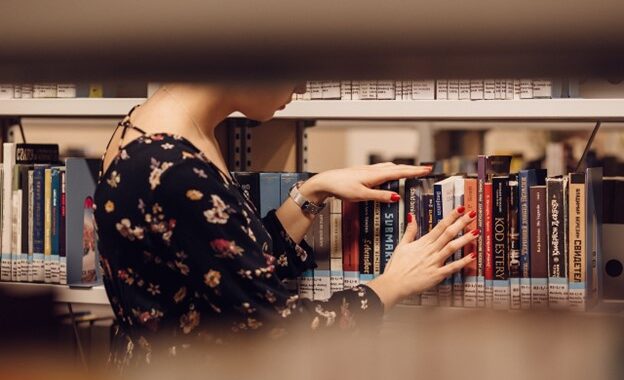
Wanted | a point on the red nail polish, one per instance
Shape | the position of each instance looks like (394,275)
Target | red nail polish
(461,209)
(395,197)
(472,214)
(410,218)
(473,255)
(475,232)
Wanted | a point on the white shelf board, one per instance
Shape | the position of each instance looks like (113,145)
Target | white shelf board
(528,109)
(62,293)
(431,110)
(70,107)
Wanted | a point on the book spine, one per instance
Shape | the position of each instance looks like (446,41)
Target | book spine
(524,221)
(557,237)
(269,192)
(509,89)
(322,255)
(407,90)
(429,297)
(470,271)
(423,90)
(31,217)
(542,88)
(539,248)
(386,90)
(526,89)
(345,90)
(7,91)
(389,225)
(442,89)
(376,239)
(7,205)
(481,179)
(464,89)
(330,90)
(453,89)
(368,90)
(336,275)
(489,87)
(514,245)
(488,243)
(27,91)
(65,90)
(23,244)
(355,90)
(398,90)
(402,217)
(412,201)
(55,225)
(350,243)
(476,89)
(500,234)
(47,225)
(316,90)
(445,287)
(38,223)
(366,242)
(458,279)
(578,246)
(16,234)
(63,229)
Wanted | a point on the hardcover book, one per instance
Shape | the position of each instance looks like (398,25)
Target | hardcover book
(38,267)
(336,254)
(500,240)
(539,248)
(514,244)
(470,271)
(556,194)
(443,192)
(350,243)
(389,225)
(578,242)
(488,243)
(366,242)
(322,282)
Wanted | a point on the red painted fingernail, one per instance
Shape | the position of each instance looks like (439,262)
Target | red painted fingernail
(472,214)
(461,209)
(395,197)
(410,218)
(476,232)
(473,255)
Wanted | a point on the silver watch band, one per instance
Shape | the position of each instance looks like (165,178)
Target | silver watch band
(306,205)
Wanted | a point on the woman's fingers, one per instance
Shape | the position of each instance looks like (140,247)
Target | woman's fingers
(446,223)
(457,265)
(452,232)
(454,245)
(411,230)
(384,196)
(393,172)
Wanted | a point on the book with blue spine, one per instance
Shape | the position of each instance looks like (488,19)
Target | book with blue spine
(55,219)
(443,194)
(22,251)
(38,268)
(389,224)
(305,283)
(269,192)
(526,179)
(458,280)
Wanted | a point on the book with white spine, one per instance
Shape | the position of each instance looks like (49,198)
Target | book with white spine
(65,90)
(16,235)
(316,90)
(442,89)
(516,90)
(489,89)
(407,90)
(526,89)
(368,90)
(330,90)
(542,88)
(6,91)
(27,91)
(398,90)
(386,90)
(464,89)
(8,165)
(423,90)
(345,90)
(355,90)
(509,89)
(476,89)
(453,89)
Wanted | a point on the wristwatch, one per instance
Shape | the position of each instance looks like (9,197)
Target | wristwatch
(307,206)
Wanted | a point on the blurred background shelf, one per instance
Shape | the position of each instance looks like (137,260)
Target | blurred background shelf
(62,293)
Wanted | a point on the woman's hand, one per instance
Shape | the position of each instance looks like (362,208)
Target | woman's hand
(357,183)
(417,265)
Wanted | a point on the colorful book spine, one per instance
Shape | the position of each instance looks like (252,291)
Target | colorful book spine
(443,192)
(55,208)
(63,228)
(524,220)
(458,278)
(488,243)
(470,271)
(578,243)
(556,194)
(366,242)
(500,234)
(481,179)
(30,229)
(336,254)
(350,243)
(514,245)
(539,248)
(412,204)
(389,225)
(376,239)
(16,215)
(269,192)
(429,297)
(47,224)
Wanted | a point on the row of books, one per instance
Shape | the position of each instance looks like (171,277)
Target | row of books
(47,228)
(43,90)
(440,89)
(539,245)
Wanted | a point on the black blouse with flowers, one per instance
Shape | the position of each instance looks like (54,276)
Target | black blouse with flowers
(187,261)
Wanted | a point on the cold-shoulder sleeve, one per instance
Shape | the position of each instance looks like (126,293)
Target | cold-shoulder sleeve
(237,278)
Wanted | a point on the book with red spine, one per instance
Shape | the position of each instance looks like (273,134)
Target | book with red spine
(350,243)
(470,271)
(488,253)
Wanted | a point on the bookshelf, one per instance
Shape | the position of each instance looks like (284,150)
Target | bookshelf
(62,293)
(429,110)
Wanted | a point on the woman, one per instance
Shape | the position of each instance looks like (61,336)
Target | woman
(188,261)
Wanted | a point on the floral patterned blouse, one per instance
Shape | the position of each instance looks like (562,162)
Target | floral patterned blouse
(188,262)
